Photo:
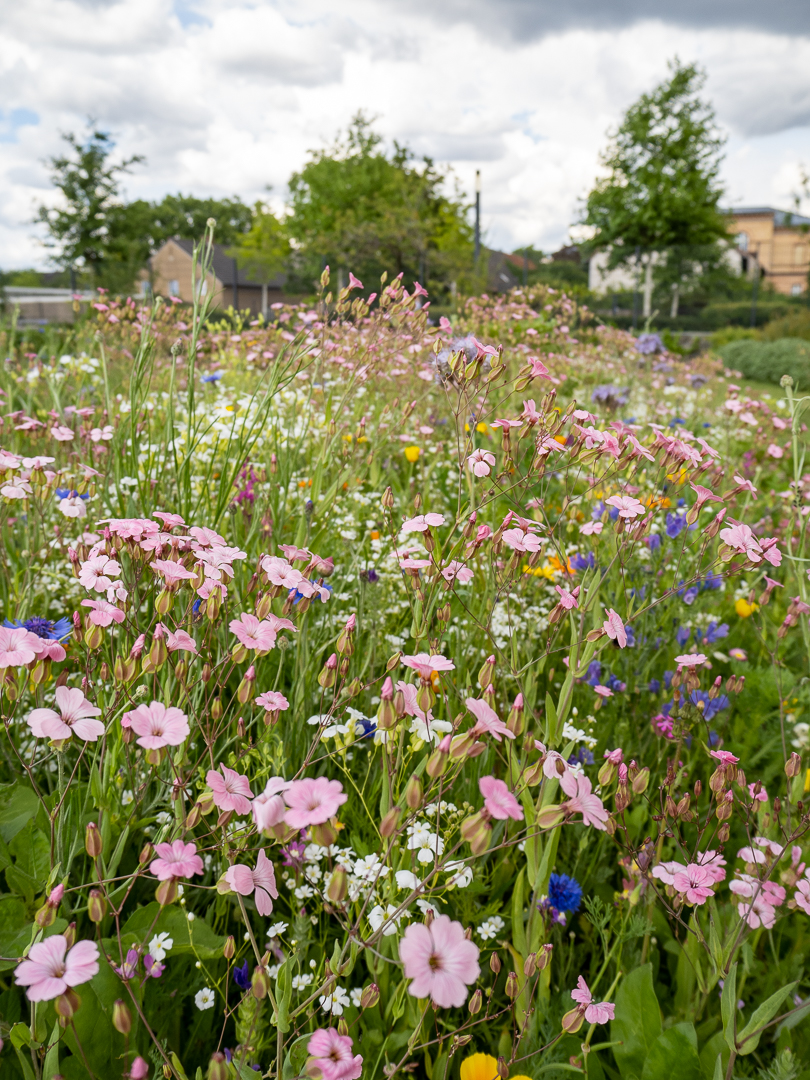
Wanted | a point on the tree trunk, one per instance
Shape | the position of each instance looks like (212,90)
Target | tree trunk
(673,308)
(648,287)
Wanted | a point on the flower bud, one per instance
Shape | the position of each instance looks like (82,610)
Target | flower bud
(724,832)
(93,843)
(96,906)
(139,1069)
(572,1021)
(245,689)
(495,963)
(345,641)
(166,892)
(121,1017)
(194,816)
(342,1027)
(503,1068)
(93,636)
(544,956)
(388,825)
(485,672)
(70,935)
(512,989)
(387,499)
(260,984)
(386,713)
(793,766)
(370,996)
(218,1067)
(530,965)
(229,948)
(641,781)
(45,916)
(338,885)
(327,677)
(413,793)
(550,816)
(66,1006)
(217,708)
(516,721)
(146,855)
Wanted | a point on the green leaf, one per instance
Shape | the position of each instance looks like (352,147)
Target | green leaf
(25,1063)
(673,1055)
(281,1017)
(551,722)
(518,929)
(637,1023)
(51,1065)
(296,1056)
(18,804)
(202,942)
(748,1038)
(716,1050)
(728,1006)
(20,1035)
(793,1018)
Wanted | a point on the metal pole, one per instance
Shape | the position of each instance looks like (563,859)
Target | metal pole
(635,289)
(754,292)
(235,286)
(477,215)
(525,268)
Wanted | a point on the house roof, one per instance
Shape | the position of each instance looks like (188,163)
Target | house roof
(780,217)
(223,265)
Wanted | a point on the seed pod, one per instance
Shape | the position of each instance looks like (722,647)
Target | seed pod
(793,766)
(503,1068)
(260,984)
(413,793)
(338,885)
(93,844)
(229,948)
(495,963)
(475,1003)
(388,825)
(370,996)
(96,906)
(121,1017)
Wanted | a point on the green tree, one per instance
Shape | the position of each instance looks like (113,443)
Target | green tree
(263,251)
(79,231)
(661,189)
(359,208)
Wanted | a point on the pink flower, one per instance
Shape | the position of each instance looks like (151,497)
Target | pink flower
(487,720)
(18,646)
(627,506)
(742,540)
(457,571)
(74,715)
(757,913)
(179,640)
(762,796)
(520,540)
(157,725)
(578,787)
(775,451)
(440,961)
(594,1013)
(97,573)
(170,521)
(725,757)
(614,628)
(802,895)
(294,553)
(312,802)
(704,495)
(354,283)
(693,883)
(482,462)
(61,433)
(279,572)
(176,860)
(253,633)
(273,701)
(330,1056)
(615,757)
(269,807)
(568,600)
(423,664)
(139,1069)
(421,523)
(244,881)
(102,613)
(591,528)
(539,369)
(172,572)
(51,967)
(231,790)
(691,660)
(603,691)
(499,800)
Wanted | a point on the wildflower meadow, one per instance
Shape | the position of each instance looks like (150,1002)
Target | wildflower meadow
(383,698)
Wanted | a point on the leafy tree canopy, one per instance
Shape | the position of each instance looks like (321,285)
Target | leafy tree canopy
(265,248)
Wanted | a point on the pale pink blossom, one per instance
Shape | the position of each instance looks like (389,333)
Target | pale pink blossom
(713,863)
(279,572)
(170,521)
(521,540)
(421,523)
(757,912)
(694,883)
(487,720)
(61,433)
(595,1013)
(97,434)
(354,283)
(423,664)
(51,968)
(482,462)
(440,961)
(666,871)
(158,726)
(74,716)
(414,564)
(627,506)
(231,790)
(269,807)
(97,573)
(18,646)
(591,528)
(103,613)
(499,800)
(51,650)
(179,640)
(603,691)
(614,628)
(254,633)
(704,495)
(176,860)
(262,881)
(758,796)
(692,660)
(725,757)
(741,539)
(313,801)
(172,572)
(568,600)
(775,451)
(802,895)
(294,553)
(205,537)
(581,800)
(273,701)
(330,1056)
(538,368)
(457,571)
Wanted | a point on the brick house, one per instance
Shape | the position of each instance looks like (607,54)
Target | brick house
(778,241)
(170,275)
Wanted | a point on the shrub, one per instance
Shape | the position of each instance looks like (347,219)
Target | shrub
(768,361)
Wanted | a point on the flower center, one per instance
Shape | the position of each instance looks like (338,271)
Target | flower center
(435,962)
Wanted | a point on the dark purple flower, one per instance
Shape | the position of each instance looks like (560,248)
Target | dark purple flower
(241,976)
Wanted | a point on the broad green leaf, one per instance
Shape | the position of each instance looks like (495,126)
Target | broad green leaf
(728,1006)
(20,1035)
(518,930)
(673,1055)
(715,1050)
(51,1065)
(551,722)
(637,1023)
(206,944)
(792,1019)
(748,1038)
(18,804)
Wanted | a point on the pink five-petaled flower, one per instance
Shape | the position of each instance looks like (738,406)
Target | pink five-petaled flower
(725,757)
(18,646)
(694,883)
(354,283)
(421,523)
(457,571)
(254,633)
(440,960)
(51,968)
(487,721)
(499,800)
(577,787)
(423,664)
(703,495)
(627,506)
(269,807)
(482,462)
(102,613)
(231,790)
(330,1056)
(179,640)
(176,860)
(691,660)
(74,716)
(614,628)
(539,369)
(273,701)
(568,600)
(312,802)
(172,572)
(157,725)
(244,881)
(595,1012)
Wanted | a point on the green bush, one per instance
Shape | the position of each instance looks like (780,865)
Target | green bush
(796,324)
(768,361)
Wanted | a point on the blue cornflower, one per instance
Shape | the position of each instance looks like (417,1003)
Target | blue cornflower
(711,707)
(195,607)
(66,493)
(215,376)
(564,892)
(44,628)
(668,679)
(598,510)
(241,976)
(715,632)
(373,576)
(682,635)
(712,581)
(690,595)
(654,542)
(613,513)
(583,562)
(654,686)
(365,728)
(631,635)
(675,524)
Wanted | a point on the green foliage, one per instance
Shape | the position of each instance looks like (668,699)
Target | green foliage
(265,248)
(637,1023)
(768,361)
(794,324)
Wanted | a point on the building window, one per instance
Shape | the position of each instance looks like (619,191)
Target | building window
(795,290)
(174,287)
(742,241)
(145,289)
(799,254)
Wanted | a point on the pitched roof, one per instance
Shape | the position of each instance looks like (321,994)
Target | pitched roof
(223,265)
(780,217)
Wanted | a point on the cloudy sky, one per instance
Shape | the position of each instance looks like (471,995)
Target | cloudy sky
(227,96)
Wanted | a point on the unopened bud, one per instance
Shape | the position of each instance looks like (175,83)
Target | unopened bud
(572,1021)
(93,843)
(512,988)
(70,935)
(495,963)
(96,906)
(544,956)
(530,965)
(388,825)
(413,793)
(503,1068)
(229,948)
(66,1006)
(338,885)
(217,1067)
(777,805)
(370,996)
(485,672)
(387,499)
(641,781)
(793,766)
(121,1017)
(260,984)
(475,1002)
(146,855)
(327,677)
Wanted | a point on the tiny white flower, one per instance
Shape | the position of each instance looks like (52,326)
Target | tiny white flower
(276,929)
(301,982)
(159,946)
(335,1002)
(406,880)
(205,998)
(356,994)
(380,916)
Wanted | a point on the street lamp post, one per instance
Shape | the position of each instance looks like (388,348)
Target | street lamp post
(477,216)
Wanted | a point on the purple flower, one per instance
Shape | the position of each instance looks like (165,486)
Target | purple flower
(129,966)
(241,976)
(649,343)
(682,635)
(293,854)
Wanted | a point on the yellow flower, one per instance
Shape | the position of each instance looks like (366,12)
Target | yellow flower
(412,453)
(481,428)
(482,1067)
(744,609)
(807,781)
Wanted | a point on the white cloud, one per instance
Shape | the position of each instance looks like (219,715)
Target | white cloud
(227,96)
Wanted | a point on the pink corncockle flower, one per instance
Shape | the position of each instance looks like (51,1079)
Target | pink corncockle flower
(170,521)
(568,600)
(330,1056)
(440,960)
(703,496)
(414,564)
(770,552)
(102,613)
(254,633)
(179,640)
(538,369)
(487,721)
(499,801)
(172,572)
(424,664)
(294,553)
(577,787)
(482,462)
(554,764)
(666,871)
(521,540)
(312,802)
(97,434)
(21,489)
(176,860)
(614,628)
(751,855)
(757,912)
(775,451)
(139,1069)
(307,588)
(262,880)
(273,701)
(773,847)
(157,725)
(269,807)
(206,537)
(591,528)
(51,968)
(638,450)
(279,572)
(354,283)
(231,790)
(691,660)
(741,539)
(457,571)
(802,895)
(18,646)
(595,1013)
(694,883)
(74,717)
(61,433)
(421,523)
(615,757)
(725,757)
(713,863)
(97,573)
